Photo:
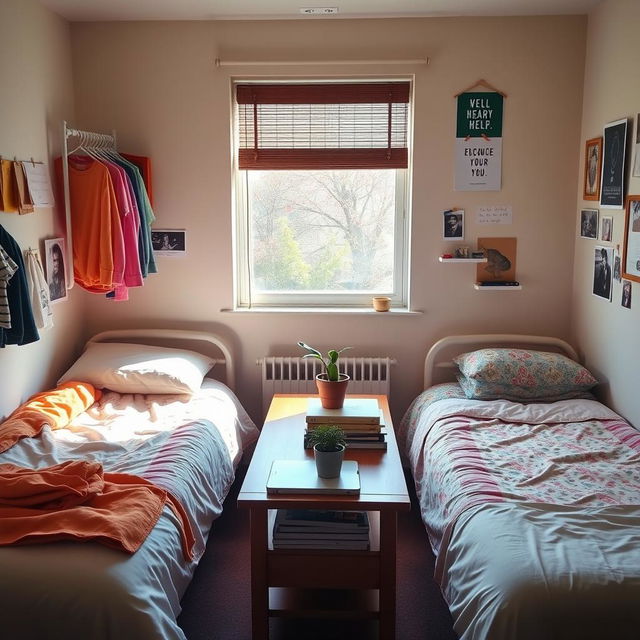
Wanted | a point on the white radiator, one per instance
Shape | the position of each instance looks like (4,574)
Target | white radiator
(293,374)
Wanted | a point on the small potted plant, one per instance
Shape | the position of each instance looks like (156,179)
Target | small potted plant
(328,444)
(332,385)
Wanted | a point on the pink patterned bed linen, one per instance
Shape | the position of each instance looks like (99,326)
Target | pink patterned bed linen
(466,453)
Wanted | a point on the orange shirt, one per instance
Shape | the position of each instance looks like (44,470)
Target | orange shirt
(94,219)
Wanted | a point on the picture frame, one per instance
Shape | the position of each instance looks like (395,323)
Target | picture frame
(589,223)
(56,268)
(453,224)
(602,272)
(631,241)
(626,294)
(169,242)
(501,259)
(592,169)
(636,150)
(612,185)
(606,228)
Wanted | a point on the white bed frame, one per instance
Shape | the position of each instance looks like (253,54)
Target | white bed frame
(214,345)
(439,366)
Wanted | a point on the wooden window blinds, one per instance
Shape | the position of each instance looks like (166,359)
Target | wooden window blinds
(359,125)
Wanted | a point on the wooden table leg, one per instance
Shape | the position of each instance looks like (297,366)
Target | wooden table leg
(259,588)
(388,539)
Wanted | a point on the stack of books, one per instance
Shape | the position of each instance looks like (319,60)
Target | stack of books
(317,529)
(360,419)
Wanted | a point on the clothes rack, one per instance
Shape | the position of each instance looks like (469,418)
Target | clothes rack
(86,137)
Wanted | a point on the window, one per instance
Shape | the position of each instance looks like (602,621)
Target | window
(321,176)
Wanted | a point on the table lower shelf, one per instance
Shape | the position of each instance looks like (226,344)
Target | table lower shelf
(337,604)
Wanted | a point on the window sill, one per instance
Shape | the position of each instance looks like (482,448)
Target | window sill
(327,311)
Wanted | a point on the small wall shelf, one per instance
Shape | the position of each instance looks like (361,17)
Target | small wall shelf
(498,288)
(467,260)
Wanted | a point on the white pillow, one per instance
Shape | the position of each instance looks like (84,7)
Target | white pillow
(138,368)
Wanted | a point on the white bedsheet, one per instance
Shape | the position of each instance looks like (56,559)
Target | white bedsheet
(86,591)
(512,563)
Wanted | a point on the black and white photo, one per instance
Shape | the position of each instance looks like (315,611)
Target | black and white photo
(606,228)
(612,183)
(453,225)
(603,259)
(626,294)
(589,223)
(56,268)
(168,242)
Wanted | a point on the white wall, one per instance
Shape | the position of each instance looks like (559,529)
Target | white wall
(156,84)
(37,95)
(607,333)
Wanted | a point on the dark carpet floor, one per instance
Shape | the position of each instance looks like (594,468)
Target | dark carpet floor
(217,605)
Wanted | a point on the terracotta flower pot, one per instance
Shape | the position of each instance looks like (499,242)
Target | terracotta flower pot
(329,463)
(331,392)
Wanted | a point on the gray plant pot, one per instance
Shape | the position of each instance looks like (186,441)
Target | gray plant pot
(329,463)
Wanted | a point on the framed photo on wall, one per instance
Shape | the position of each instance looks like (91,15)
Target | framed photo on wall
(602,280)
(589,223)
(453,224)
(56,269)
(592,169)
(636,150)
(606,228)
(612,181)
(631,244)
(169,242)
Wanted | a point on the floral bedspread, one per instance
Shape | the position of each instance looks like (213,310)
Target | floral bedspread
(466,453)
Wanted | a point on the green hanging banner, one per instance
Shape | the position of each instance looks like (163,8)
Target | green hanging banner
(479,114)
(479,141)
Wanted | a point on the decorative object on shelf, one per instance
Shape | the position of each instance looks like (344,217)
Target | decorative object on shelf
(453,224)
(332,385)
(479,139)
(631,244)
(462,252)
(501,259)
(592,169)
(615,143)
(328,444)
(381,303)
(478,255)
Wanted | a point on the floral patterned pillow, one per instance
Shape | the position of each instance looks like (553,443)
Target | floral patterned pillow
(521,374)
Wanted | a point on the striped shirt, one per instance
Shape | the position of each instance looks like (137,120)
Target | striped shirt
(7,268)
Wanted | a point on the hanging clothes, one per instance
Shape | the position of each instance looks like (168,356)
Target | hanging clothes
(39,291)
(7,270)
(23,328)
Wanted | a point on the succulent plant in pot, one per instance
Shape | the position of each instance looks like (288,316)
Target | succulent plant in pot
(332,385)
(328,442)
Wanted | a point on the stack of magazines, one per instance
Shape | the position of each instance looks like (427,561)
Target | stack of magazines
(317,529)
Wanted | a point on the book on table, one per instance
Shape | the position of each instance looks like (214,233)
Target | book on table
(356,411)
(359,440)
(320,529)
(301,476)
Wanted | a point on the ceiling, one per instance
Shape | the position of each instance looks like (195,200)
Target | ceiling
(101,10)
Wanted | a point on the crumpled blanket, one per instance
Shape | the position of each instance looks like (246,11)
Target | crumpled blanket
(77,500)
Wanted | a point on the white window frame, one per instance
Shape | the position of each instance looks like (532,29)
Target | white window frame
(245,299)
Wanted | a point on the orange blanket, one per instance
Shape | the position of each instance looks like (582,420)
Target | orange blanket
(54,408)
(76,500)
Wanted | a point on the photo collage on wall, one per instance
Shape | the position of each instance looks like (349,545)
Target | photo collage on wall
(605,183)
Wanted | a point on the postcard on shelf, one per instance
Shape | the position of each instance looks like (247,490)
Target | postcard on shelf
(301,476)
(354,411)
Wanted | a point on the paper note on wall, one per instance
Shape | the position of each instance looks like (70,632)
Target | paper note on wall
(494,215)
(39,184)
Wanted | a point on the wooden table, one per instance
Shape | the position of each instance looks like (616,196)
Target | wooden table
(297,582)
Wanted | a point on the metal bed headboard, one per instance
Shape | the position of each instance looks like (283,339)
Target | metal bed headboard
(439,366)
(175,338)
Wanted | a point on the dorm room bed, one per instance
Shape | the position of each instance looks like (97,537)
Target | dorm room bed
(185,435)
(529,490)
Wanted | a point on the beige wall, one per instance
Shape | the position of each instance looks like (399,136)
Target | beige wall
(156,84)
(607,333)
(37,95)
